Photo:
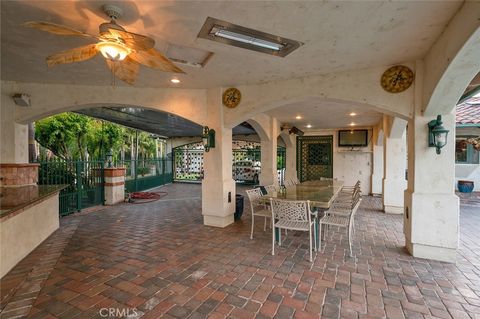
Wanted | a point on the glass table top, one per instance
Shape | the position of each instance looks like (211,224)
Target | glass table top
(319,193)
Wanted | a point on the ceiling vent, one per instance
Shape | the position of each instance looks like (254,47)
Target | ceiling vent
(238,36)
(188,56)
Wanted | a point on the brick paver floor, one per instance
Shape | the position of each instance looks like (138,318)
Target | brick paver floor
(157,260)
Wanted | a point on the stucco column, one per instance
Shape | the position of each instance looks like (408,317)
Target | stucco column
(268,146)
(394,183)
(431,218)
(114,185)
(218,186)
(291,158)
(377,159)
(13,136)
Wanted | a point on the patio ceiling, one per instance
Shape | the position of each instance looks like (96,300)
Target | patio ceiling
(325,115)
(155,122)
(336,35)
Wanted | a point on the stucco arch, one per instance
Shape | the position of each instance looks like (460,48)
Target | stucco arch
(453,61)
(48,99)
(357,87)
(380,137)
(286,138)
(98,105)
(261,124)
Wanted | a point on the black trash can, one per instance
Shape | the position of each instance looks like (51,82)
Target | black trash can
(238,206)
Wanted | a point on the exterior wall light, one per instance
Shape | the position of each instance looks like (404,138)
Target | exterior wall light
(208,138)
(437,134)
(109,158)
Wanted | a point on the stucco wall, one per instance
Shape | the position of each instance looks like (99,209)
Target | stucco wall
(21,233)
(350,166)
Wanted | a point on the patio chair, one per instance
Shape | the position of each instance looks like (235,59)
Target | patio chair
(291,215)
(257,208)
(341,220)
(328,178)
(345,202)
(271,189)
(350,189)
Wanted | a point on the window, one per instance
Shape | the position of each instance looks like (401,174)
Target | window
(464,152)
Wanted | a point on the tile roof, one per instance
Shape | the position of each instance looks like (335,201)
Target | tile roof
(468,112)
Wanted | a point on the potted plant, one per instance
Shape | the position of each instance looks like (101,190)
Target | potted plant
(465,186)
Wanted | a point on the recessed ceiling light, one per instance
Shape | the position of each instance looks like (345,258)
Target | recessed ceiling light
(353,114)
(298,117)
(352,124)
(309,126)
(175,81)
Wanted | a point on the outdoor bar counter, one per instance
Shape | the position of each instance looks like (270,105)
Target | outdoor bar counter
(28,215)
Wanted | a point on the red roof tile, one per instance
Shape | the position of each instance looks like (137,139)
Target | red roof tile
(468,112)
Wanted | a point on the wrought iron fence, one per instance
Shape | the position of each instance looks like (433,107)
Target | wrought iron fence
(188,164)
(146,174)
(85,180)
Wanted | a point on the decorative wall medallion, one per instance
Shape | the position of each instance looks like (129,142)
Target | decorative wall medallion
(231,97)
(397,79)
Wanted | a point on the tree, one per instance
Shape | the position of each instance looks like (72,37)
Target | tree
(64,134)
(105,136)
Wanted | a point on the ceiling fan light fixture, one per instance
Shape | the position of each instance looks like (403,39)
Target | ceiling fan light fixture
(113,51)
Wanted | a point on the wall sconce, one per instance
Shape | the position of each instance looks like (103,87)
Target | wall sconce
(437,134)
(109,158)
(208,138)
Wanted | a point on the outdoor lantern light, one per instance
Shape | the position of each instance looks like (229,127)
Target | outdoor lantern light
(437,134)
(109,157)
(208,138)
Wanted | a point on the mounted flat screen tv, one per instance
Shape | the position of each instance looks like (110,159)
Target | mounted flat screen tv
(349,138)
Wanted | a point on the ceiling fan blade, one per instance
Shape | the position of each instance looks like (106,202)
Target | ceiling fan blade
(154,59)
(134,41)
(126,70)
(56,29)
(73,55)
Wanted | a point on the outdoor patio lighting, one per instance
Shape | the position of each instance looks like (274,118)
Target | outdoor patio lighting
(437,134)
(109,158)
(208,138)
(113,51)
(246,38)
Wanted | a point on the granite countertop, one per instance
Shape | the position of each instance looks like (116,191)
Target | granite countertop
(13,199)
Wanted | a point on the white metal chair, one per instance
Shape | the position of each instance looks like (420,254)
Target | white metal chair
(344,220)
(257,208)
(345,202)
(292,215)
(271,189)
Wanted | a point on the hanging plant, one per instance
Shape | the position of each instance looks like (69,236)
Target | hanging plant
(475,141)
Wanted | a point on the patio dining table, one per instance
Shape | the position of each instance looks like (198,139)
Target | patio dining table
(320,193)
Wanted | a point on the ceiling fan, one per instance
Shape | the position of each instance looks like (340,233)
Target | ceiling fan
(123,51)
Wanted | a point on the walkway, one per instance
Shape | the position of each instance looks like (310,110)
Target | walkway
(157,260)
